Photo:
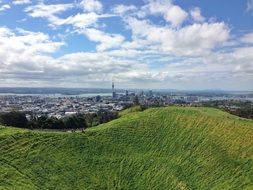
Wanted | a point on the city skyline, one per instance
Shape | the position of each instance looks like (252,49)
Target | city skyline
(146,44)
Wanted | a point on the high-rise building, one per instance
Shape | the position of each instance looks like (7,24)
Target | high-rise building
(150,93)
(113,91)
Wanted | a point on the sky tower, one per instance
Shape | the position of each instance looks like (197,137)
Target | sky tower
(113,91)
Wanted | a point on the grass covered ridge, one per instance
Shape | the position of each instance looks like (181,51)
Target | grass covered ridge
(162,148)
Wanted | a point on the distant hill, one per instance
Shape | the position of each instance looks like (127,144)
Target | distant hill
(163,148)
(46,91)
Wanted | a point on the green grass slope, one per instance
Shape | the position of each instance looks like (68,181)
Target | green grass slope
(163,148)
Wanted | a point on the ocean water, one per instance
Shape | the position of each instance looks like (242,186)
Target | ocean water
(58,95)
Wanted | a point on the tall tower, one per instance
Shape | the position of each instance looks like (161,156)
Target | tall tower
(112,87)
(113,91)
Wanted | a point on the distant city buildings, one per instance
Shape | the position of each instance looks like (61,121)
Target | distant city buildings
(150,93)
(61,106)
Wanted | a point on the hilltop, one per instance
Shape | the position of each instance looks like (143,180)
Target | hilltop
(161,148)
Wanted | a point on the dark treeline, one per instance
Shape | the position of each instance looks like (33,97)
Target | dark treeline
(15,119)
(77,121)
(245,112)
(240,108)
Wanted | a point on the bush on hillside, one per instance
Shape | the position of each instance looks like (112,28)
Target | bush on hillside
(78,121)
(15,119)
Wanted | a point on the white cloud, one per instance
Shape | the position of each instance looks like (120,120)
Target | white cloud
(250,5)
(106,41)
(196,15)
(21,2)
(44,11)
(48,12)
(247,38)
(25,60)
(193,39)
(186,51)
(25,57)
(51,13)
(4,7)
(91,5)
(5,31)
(175,15)
(171,13)
(244,59)
(82,20)
(24,51)
(123,9)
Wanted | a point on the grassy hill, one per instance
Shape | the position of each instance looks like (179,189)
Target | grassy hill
(163,148)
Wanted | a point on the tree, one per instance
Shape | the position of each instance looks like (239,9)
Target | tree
(75,122)
(89,118)
(15,119)
(105,116)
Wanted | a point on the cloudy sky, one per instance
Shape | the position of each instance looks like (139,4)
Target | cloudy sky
(167,44)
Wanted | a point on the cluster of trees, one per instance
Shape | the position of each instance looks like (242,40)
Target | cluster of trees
(246,112)
(236,107)
(16,119)
(77,121)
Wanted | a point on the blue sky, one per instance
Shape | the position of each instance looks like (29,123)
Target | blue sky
(189,45)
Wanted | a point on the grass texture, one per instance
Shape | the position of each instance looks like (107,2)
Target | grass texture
(160,148)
